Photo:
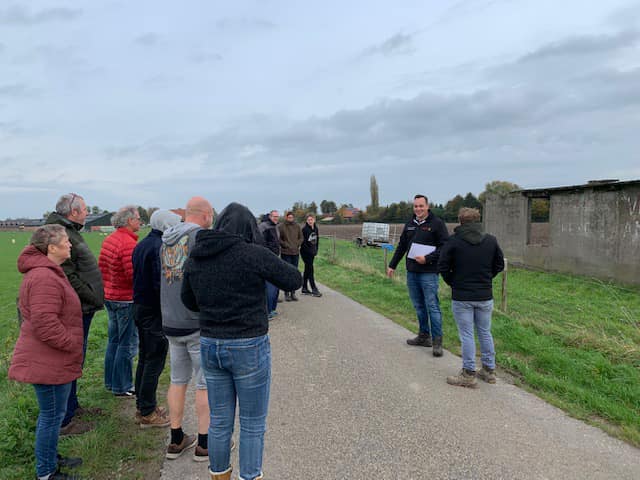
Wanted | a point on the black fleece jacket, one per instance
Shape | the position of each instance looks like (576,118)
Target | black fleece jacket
(469,261)
(225,274)
(147,270)
(432,231)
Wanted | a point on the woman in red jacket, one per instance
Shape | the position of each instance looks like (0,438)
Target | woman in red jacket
(48,353)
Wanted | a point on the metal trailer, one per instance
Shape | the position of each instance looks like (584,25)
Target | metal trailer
(373,234)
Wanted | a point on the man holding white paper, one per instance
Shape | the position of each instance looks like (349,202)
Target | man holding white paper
(422,239)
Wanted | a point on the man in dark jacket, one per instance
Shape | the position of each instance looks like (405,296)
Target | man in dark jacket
(85,278)
(422,238)
(290,241)
(468,263)
(153,346)
(269,230)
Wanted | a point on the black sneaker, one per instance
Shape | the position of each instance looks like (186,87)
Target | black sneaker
(422,340)
(293,297)
(305,291)
(316,293)
(58,475)
(129,394)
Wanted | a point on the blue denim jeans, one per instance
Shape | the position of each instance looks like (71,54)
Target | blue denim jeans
(423,291)
(72,403)
(237,369)
(272,297)
(122,347)
(469,315)
(52,400)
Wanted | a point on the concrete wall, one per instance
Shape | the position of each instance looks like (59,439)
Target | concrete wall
(594,232)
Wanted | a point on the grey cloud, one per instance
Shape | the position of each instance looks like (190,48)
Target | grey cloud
(205,57)
(398,44)
(245,23)
(16,90)
(147,40)
(20,15)
(161,81)
(55,56)
(584,45)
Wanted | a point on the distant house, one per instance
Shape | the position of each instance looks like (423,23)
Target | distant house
(350,214)
(21,223)
(94,222)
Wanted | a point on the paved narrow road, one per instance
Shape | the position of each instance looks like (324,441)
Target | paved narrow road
(350,400)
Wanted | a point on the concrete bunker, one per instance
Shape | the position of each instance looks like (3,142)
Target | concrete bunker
(591,229)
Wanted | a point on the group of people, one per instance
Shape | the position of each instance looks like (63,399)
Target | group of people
(205,296)
(467,261)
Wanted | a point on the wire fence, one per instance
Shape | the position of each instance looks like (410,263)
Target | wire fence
(375,260)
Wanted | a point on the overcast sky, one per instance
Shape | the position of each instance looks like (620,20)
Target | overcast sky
(267,102)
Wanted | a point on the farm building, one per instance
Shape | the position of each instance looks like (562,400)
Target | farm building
(94,222)
(592,229)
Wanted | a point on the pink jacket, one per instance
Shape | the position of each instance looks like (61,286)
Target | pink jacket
(49,348)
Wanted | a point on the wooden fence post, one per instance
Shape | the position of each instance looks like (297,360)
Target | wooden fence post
(334,247)
(503,300)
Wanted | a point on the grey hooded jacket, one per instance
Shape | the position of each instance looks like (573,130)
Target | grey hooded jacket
(177,243)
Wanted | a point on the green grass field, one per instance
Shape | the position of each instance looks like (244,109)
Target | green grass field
(571,340)
(117,448)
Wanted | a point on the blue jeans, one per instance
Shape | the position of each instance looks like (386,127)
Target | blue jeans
(272,297)
(52,400)
(72,403)
(468,315)
(237,369)
(122,346)
(423,291)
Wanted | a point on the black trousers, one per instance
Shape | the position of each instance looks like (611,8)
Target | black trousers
(307,276)
(291,259)
(152,354)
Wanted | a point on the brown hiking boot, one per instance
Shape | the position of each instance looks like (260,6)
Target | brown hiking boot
(157,418)
(422,340)
(175,450)
(76,427)
(487,374)
(466,378)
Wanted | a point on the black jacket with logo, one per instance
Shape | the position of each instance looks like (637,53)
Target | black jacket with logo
(311,240)
(469,261)
(431,231)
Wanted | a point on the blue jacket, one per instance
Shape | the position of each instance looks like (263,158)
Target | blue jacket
(146,270)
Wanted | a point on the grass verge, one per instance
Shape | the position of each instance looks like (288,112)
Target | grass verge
(573,341)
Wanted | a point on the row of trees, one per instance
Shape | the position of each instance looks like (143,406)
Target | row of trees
(399,212)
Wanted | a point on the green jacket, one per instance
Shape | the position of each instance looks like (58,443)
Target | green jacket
(82,268)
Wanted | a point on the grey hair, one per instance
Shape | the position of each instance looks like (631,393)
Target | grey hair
(122,216)
(67,203)
(47,235)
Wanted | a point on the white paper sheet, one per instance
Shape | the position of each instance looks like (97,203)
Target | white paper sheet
(420,250)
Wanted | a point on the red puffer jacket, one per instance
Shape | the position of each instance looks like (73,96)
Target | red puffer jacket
(49,348)
(116,266)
